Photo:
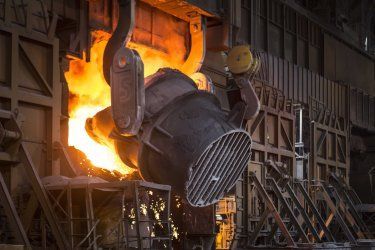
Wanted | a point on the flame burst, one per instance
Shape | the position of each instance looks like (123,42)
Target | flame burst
(89,94)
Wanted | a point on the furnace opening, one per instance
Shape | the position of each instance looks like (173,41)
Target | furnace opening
(89,93)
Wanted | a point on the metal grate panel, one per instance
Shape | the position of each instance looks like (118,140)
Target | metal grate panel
(218,168)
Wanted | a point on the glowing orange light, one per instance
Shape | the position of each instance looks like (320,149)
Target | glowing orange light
(89,94)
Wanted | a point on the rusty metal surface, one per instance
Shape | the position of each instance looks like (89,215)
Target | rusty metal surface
(273,134)
(273,129)
(344,193)
(270,209)
(183,9)
(337,214)
(329,147)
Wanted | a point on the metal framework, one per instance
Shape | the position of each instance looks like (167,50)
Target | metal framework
(273,135)
(296,220)
(138,211)
(339,209)
(30,87)
(20,153)
(226,210)
(272,131)
(329,149)
(141,199)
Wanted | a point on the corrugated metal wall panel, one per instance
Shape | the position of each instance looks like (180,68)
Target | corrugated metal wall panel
(362,109)
(360,106)
(295,83)
(372,111)
(290,81)
(300,84)
(285,76)
(281,74)
(353,100)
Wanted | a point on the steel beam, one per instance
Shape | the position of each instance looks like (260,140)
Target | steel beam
(267,200)
(137,215)
(342,191)
(303,213)
(30,210)
(315,212)
(348,215)
(337,214)
(41,194)
(11,213)
(263,217)
(288,210)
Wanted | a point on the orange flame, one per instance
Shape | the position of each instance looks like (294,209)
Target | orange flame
(89,94)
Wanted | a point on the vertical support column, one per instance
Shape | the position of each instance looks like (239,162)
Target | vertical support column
(56,108)
(91,217)
(252,23)
(7,12)
(125,223)
(313,153)
(284,32)
(70,214)
(347,129)
(278,136)
(44,231)
(88,217)
(169,222)
(137,215)
(14,70)
(267,25)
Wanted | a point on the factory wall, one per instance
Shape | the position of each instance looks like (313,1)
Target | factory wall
(305,60)
(343,64)
(29,86)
